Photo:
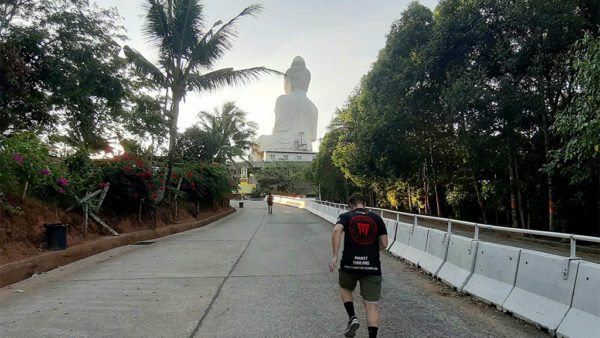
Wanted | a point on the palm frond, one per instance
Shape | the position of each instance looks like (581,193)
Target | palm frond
(144,66)
(158,27)
(188,21)
(226,77)
(213,45)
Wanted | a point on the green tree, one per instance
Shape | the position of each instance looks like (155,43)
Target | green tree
(230,134)
(195,144)
(578,126)
(62,68)
(186,48)
(328,179)
(282,177)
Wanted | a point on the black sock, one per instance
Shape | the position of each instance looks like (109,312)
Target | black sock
(349,308)
(372,331)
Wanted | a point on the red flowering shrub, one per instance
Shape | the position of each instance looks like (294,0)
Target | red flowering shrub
(130,181)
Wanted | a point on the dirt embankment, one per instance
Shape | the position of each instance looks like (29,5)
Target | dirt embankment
(22,236)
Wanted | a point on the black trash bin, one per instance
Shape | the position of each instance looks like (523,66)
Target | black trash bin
(56,236)
(241,204)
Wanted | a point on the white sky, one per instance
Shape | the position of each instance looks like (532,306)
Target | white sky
(339,40)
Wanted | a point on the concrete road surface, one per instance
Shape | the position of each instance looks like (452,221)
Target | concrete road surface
(248,275)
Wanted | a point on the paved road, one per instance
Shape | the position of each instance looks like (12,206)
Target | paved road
(248,275)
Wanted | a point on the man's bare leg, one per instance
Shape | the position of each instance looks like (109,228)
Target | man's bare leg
(372,317)
(346,295)
(353,324)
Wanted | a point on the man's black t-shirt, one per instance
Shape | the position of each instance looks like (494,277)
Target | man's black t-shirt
(361,242)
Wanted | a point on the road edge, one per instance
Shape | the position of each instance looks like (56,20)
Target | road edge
(17,271)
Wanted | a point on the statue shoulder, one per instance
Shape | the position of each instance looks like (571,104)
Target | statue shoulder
(282,99)
(312,105)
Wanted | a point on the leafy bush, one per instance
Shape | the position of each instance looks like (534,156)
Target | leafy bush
(131,180)
(205,183)
(24,161)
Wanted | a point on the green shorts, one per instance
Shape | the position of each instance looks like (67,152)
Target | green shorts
(370,286)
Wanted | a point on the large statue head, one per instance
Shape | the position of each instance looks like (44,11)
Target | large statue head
(297,77)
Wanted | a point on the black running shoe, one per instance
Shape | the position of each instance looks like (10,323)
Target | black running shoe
(353,325)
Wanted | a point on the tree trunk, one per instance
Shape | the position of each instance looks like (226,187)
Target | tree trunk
(426,189)
(437,196)
(173,133)
(410,200)
(513,200)
(479,199)
(518,187)
(549,173)
(598,200)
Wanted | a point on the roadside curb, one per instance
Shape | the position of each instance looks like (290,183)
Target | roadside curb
(15,272)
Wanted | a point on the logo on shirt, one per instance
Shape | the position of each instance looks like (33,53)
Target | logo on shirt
(363,230)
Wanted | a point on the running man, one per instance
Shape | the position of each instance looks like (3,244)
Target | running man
(364,236)
(270,203)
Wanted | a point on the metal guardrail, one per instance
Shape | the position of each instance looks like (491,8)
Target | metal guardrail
(572,237)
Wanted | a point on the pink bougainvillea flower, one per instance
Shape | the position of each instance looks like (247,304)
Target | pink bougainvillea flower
(44,172)
(127,168)
(63,181)
(193,186)
(162,181)
(17,158)
(155,196)
(135,195)
(60,190)
(203,167)
(189,173)
(102,185)
(162,188)
(174,175)
(148,173)
(149,186)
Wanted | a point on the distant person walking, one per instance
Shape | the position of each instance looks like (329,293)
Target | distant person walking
(364,236)
(270,203)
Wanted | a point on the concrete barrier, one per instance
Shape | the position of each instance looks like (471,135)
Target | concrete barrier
(460,261)
(390,227)
(401,239)
(333,214)
(417,242)
(543,290)
(435,251)
(495,273)
(583,319)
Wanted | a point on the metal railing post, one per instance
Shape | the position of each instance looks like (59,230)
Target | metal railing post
(416,221)
(476,237)
(573,248)
(381,213)
(398,218)
(449,226)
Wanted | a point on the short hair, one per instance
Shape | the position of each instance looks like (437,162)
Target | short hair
(356,199)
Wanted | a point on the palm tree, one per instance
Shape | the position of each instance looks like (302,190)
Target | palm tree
(187,54)
(229,130)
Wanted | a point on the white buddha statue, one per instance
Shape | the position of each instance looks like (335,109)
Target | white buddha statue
(295,115)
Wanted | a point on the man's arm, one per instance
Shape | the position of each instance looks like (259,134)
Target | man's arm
(336,238)
(383,242)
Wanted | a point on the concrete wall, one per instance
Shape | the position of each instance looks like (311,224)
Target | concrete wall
(553,292)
